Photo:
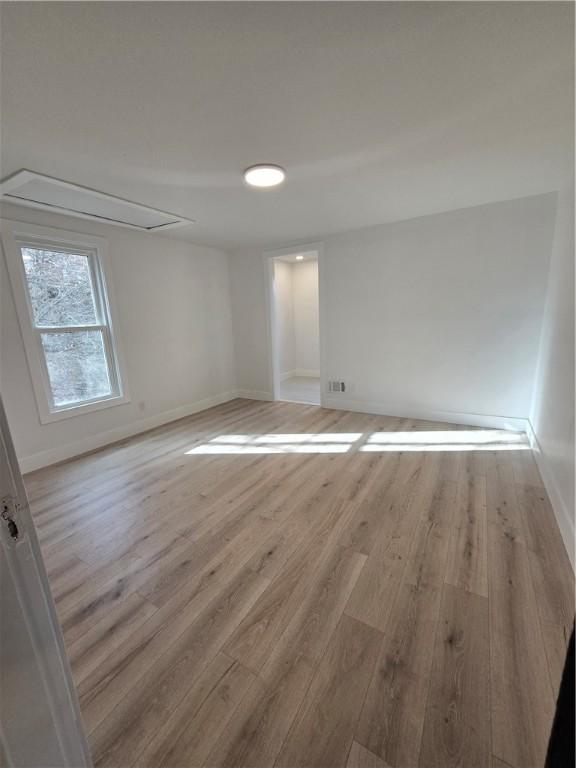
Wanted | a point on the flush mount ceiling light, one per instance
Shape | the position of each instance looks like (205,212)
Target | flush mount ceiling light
(300,258)
(264,175)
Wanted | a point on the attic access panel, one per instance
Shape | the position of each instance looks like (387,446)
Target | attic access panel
(38,191)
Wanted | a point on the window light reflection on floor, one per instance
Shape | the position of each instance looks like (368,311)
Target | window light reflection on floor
(300,437)
(369,442)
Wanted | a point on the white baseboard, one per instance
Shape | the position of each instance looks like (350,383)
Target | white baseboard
(534,444)
(91,443)
(253,394)
(513,423)
(561,511)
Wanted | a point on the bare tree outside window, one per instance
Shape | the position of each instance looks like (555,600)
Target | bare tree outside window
(64,306)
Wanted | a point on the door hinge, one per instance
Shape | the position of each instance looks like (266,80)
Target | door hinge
(8,514)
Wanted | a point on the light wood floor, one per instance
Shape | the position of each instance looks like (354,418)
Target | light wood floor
(273,584)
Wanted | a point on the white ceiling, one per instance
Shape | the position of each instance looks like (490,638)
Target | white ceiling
(378,111)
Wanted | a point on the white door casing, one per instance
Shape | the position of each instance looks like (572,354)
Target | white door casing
(40,722)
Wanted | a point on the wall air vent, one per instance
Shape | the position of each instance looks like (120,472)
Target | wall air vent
(37,191)
(336,386)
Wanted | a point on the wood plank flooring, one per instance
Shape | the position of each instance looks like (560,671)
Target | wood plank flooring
(277,584)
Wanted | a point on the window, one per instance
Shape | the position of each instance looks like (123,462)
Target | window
(64,310)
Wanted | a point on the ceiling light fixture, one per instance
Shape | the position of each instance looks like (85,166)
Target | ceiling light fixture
(299,258)
(264,175)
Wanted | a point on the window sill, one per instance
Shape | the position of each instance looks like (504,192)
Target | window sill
(47,416)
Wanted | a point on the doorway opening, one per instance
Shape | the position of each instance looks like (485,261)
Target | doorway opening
(295,326)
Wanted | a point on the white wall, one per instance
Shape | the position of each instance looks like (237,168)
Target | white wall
(285,331)
(438,316)
(552,414)
(250,323)
(175,326)
(306,317)
(441,313)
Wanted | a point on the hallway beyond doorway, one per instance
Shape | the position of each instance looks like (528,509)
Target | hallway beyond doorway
(300,389)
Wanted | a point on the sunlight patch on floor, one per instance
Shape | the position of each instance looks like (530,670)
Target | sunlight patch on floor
(300,437)
(368,442)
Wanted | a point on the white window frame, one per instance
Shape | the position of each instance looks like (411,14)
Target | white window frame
(16,235)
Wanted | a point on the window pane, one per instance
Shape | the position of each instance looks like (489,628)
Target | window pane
(60,287)
(76,366)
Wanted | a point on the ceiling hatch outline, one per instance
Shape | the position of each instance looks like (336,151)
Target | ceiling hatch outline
(36,190)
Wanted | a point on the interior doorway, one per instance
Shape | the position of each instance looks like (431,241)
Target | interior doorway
(295,325)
